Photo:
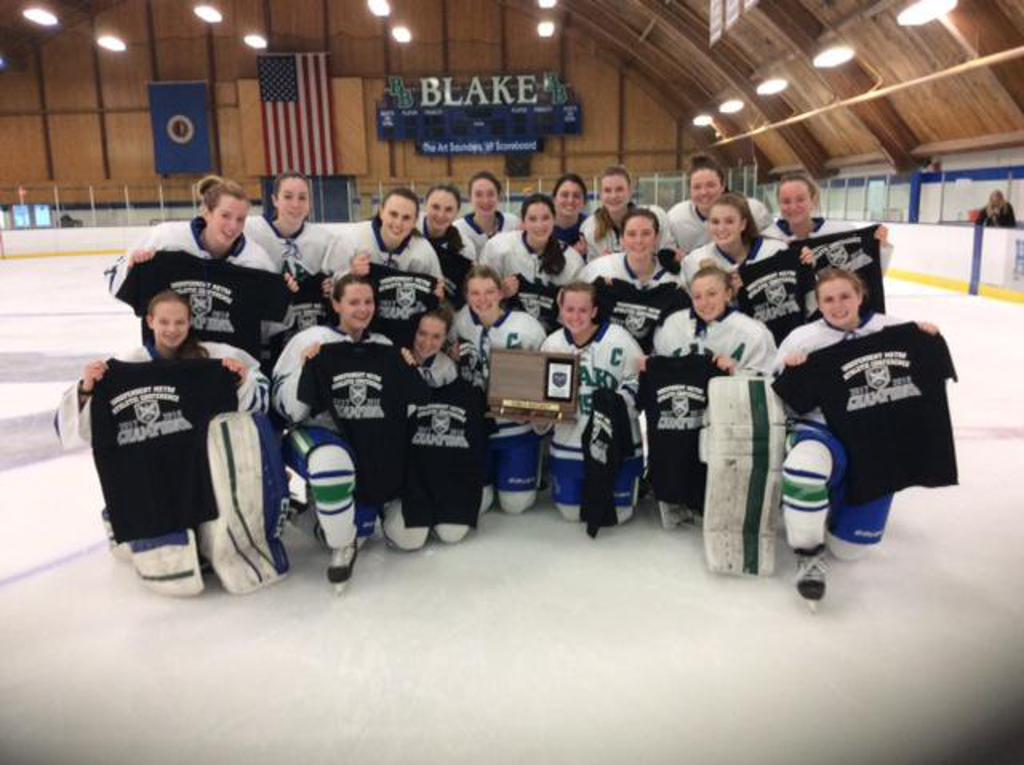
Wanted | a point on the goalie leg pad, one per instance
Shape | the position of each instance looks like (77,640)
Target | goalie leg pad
(805,497)
(168,564)
(321,457)
(242,543)
(396,532)
(744,445)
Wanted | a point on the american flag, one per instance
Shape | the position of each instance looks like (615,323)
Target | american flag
(297,126)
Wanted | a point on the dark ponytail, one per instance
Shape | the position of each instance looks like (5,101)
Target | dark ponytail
(552,257)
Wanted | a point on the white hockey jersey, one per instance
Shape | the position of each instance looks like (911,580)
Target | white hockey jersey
(616,266)
(470,231)
(288,369)
(438,370)
(414,255)
(762,249)
(305,252)
(508,254)
(469,249)
(516,329)
(612,241)
(823,227)
(610,360)
(820,334)
(74,424)
(745,340)
(690,228)
(185,236)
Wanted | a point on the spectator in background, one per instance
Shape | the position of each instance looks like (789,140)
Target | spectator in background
(998,212)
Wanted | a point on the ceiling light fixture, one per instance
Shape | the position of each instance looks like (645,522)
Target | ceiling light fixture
(208,13)
(401,34)
(546,28)
(703,120)
(379,7)
(259,42)
(115,44)
(924,11)
(772,86)
(731,106)
(834,56)
(39,16)
(547,4)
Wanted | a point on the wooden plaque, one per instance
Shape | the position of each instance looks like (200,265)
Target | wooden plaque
(537,386)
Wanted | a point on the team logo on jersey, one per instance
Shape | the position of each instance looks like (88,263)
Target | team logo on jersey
(836,254)
(878,376)
(847,254)
(634,322)
(405,296)
(180,129)
(440,422)
(776,293)
(357,394)
(147,412)
(140,416)
(201,303)
(639,319)
(680,406)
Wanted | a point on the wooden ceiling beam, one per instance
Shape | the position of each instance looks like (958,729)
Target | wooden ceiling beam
(985,28)
(681,23)
(802,29)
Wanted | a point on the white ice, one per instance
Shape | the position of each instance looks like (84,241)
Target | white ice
(529,642)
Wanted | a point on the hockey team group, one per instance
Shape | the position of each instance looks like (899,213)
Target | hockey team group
(279,356)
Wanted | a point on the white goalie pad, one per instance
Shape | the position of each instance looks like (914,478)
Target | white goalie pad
(168,565)
(237,543)
(743,444)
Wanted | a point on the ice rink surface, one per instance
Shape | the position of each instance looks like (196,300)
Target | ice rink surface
(527,643)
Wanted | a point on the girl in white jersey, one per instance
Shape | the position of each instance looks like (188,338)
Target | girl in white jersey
(570,197)
(798,197)
(513,447)
(815,464)
(602,231)
(216,233)
(638,262)
(313,448)
(437,370)
(688,219)
(169,316)
(734,239)
(455,253)
(486,219)
(534,253)
(389,239)
(609,358)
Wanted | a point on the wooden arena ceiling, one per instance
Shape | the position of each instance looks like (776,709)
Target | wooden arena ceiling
(664,43)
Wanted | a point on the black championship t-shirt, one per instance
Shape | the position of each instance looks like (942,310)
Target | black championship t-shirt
(856,251)
(306,308)
(445,480)
(639,311)
(367,389)
(149,423)
(228,302)
(402,298)
(454,267)
(674,396)
(884,397)
(537,299)
(775,291)
(607,441)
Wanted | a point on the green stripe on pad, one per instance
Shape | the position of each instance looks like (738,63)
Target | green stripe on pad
(331,494)
(802,493)
(758,476)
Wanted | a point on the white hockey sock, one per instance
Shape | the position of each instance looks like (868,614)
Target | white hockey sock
(805,502)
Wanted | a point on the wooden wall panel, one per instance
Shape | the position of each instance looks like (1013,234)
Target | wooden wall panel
(590,165)
(648,125)
(424,56)
(123,76)
(597,86)
(350,127)
(411,164)
(232,159)
(22,150)
(20,90)
(76,146)
(181,42)
(526,51)
(464,167)
(68,71)
(130,146)
(234,59)
(474,37)
(357,40)
(250,128)
(298,25)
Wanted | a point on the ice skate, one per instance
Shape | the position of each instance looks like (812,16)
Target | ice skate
(674,516)
(339,571)
(810,575)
